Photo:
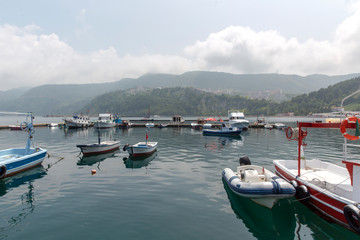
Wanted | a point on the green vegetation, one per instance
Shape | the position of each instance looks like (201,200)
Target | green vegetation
(193,102)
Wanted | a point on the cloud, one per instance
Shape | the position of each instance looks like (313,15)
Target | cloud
(30,58)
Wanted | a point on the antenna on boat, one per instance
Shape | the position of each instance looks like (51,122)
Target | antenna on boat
(342,102)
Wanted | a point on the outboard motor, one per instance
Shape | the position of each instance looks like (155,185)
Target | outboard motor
(244,161)
(125,147)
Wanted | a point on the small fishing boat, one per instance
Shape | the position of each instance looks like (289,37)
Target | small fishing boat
(280,126)
(14,127)
(15,160)
(149,125)
(162,125)
(99,148)
(332,191)
(225,130)
(141,149)
(257,183)
(78,121)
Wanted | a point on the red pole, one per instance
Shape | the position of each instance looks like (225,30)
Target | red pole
(299,149)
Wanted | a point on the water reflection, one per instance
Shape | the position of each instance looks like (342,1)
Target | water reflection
(27,204)
(19,179)
(218,143)
(79,132)
(320,228)
(138,162)
(276,223)
(92,159)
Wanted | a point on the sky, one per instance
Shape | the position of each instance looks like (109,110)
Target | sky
(88,41)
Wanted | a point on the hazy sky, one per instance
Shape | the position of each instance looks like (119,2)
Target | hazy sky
(88,41)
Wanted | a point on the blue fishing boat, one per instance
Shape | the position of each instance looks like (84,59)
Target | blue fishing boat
(15,160)
(225,130)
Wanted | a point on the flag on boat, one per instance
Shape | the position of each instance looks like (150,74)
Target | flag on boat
(147,136)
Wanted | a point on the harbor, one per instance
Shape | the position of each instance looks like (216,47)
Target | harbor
(178,187)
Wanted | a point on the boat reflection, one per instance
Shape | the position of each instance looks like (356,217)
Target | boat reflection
(321,229)
(276,223)
(19,179)
(25,205)
(92,159)
(138,162)
(218,143)
(80,132)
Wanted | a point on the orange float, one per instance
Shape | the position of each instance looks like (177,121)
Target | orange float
(343,128)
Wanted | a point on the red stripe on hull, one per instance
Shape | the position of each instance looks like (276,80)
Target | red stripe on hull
(143,154)
(100,152)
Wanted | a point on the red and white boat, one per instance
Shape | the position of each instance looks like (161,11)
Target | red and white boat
(331,190)
(99,148)
(141,149)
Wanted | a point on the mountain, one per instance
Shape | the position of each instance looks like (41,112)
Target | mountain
(55,99)
(194,102)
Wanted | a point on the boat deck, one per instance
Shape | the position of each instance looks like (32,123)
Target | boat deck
(9,156)
(335,183)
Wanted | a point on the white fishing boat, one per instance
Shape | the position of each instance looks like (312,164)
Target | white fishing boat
(15,160)
(149,125)
(99,148)
(225,130)
(78,121)
(105,121)
(331,190)
(257,183)
(280,126)
(141,148)
(237,119)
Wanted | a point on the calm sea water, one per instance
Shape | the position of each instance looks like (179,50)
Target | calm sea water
(177,193)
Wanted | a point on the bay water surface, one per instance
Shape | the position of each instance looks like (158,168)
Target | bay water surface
(177,193)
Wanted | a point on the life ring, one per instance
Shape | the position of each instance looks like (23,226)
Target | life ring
(2,171)
(343,128)
(289,133)
(352,215)
(23,125)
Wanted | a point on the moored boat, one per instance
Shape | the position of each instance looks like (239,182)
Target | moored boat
(141,149)
(105,121)
(225,130)
(99,148)
(332,191)
(78,121)
(149,125)
(237,119)
(257,183)
(15,160)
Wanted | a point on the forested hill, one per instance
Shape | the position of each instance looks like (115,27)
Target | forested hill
(194,102)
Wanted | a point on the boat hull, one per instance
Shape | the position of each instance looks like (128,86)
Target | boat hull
(103,147)
(105,125)
(72,124)
(325,203)
(211,132)
(15,160)
(141,149)
(265,192)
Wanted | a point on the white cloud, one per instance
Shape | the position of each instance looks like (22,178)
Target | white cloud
(30,58)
